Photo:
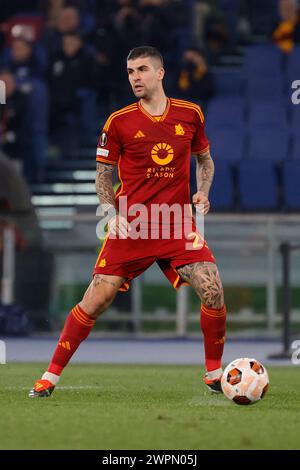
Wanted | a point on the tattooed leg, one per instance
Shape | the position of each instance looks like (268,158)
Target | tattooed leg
(100,294)
(205,279)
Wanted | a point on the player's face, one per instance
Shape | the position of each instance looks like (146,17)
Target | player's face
(145,76)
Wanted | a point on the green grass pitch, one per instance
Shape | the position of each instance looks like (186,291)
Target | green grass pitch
(144,407)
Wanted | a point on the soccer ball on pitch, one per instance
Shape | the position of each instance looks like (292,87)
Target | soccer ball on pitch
(245,381)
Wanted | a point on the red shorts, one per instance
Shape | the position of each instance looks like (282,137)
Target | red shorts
(129,258)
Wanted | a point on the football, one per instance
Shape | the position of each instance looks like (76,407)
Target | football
(245,381)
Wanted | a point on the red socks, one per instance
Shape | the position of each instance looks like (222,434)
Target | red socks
(77,328)
(213,324)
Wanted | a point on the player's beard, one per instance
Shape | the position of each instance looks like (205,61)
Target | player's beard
(142,94)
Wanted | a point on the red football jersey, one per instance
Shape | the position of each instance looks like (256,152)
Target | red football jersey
(153,153)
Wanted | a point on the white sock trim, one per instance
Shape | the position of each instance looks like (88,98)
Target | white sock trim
(53,378)
(214,374)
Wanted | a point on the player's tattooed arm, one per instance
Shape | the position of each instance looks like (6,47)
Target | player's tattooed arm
(117,224)
(204,172)
(103,182)
(205,279)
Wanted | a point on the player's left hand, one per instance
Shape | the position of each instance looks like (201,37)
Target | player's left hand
(201,202)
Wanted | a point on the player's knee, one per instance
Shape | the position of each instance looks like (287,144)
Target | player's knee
(213,296)
(210,289)
(218,298)
(96,301)
(96,306)
(104,301)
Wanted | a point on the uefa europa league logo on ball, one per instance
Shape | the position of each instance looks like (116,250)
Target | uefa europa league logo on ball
(2,92)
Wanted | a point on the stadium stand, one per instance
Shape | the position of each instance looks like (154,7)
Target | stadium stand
(222,194)
(258,185)
(267,114)
(225,113)
(263,60)
(249,119)
(291,187)
(269,143)
(228,144)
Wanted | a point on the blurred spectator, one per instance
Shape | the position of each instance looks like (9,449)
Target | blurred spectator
(195,82)
(12,118)
(202,9)
(15,201)
(70,78)
(287,32)
(124,34)
(23,123)
(226,19)
(32,291)
(165,24)
(67,21)
(217,38)
(23,60)
(51,10)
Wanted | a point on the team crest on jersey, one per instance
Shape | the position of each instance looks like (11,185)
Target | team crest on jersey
(179,129)
(103,139)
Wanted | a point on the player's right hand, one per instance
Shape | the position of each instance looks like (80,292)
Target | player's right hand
(119,226)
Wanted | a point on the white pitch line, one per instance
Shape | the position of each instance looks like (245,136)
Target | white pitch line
(58,387)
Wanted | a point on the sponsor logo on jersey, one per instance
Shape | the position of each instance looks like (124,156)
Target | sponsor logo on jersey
(139,134)
(103,152)
(162,153)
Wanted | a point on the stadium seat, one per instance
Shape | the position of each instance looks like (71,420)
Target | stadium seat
(225,112)
(267,114)
(269,143)
(262,88)
(291,187)
(293,65)
(295,114)
(227,144)
(222,191)
(257,185)
(296,147)
(262,60)
(228,82)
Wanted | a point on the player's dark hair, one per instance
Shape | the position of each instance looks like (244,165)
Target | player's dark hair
(145,51)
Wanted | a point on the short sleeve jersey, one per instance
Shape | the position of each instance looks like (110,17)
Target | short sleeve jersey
(153,153)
